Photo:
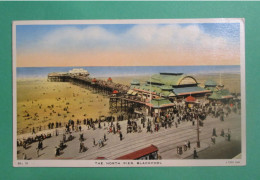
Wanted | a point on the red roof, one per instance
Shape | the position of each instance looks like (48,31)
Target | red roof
(109,79)
(139,153)
(115,91)
(94,80)
(190,99)
(100,158)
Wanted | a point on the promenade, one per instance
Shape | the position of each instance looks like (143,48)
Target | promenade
(166,140)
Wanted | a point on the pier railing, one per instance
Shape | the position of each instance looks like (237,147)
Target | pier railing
(97,85)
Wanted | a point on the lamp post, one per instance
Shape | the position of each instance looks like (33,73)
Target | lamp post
(198,133)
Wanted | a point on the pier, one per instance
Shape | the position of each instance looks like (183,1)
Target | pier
(116,91)
(119,101)
(96,85)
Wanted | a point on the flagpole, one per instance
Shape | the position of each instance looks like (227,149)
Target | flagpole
(150,97)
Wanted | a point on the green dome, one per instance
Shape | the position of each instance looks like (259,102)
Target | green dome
(168,88)
(135,82)
(210,83)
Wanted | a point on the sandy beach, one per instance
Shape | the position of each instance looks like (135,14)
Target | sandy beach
(40,102)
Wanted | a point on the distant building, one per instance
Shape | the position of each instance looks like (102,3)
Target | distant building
(210,85)
(218,91)
(79,72)
(65,76)
(221,95)
(58,77)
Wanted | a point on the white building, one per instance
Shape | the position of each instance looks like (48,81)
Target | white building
(79,71)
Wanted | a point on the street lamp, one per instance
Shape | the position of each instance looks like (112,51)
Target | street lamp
(198,133)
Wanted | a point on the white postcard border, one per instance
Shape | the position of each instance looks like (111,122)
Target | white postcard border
(133,163)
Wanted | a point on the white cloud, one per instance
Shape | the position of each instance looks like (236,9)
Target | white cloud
(170,37)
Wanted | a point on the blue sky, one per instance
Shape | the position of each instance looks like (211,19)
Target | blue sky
(140,44)
(30,33)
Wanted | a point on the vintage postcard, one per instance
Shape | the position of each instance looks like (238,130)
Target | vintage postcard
(129,93)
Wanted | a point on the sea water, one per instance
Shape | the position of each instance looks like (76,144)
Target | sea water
(112,71)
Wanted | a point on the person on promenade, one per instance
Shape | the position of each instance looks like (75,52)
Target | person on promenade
(105,137)
(213,139)
(80,128)
(185,146)
(114,130)
(189,144)
(121,136)
(70,138)
(57,151)
(229,136)
(81,137)
(100,143)
(195,155)
(80,147)
(214,132)
(94,142)
(38,152)
(222,133)
(39,145)
(64,138)
(24,156)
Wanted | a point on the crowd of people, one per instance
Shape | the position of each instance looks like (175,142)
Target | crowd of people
(168,119)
